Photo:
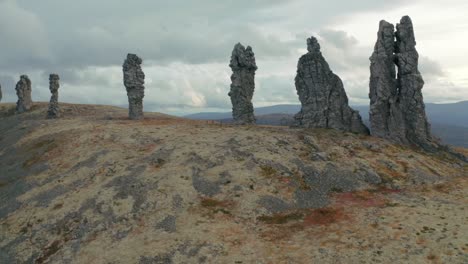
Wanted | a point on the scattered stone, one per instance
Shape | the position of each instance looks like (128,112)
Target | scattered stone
(23,90)
(319,156)
(274,204)
(204,186)
(243,84)
(134,80)
(397,110)
(322,95)
(168,224)
(54,85)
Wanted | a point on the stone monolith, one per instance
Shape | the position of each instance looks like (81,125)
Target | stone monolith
(397,110)
(134,81)
(23,91)
(243,84)
(54,85)
(322,95)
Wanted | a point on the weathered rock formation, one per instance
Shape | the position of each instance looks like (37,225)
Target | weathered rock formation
(410,84)
(1,93)
(23,90)
(54,85)
(243,84)
(397,109)
(322,95)
(134,81)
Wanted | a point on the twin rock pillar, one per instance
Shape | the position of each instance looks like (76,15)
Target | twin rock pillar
(397,110)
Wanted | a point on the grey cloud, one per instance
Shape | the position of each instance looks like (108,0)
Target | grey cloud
(24,39)
(100,33)
(430,68)
(8,88)
(276,89)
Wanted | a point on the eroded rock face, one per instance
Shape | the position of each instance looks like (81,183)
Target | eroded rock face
(243,84)
(322,95)
(23,91)
(134,80)
(397,109)
(54,85)
(410,84)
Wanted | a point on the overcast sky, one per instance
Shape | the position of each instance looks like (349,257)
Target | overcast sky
(186,47)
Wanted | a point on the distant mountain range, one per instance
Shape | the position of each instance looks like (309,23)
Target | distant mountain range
(449,121)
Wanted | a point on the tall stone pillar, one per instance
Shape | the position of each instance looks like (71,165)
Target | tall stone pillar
(134,81)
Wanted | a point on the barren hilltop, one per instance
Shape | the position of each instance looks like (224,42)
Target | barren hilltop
(95,187)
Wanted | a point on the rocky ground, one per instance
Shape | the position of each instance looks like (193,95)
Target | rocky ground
(95,187)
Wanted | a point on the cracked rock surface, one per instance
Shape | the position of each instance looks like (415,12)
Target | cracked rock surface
(243,84)
(23,91)
(134,81)
(322,95)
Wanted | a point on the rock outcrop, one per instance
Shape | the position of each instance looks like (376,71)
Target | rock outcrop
(243,84)
(322,95)
(134,81)
(54,85)
(23,91)
(397,109)
(1,93)
(410,84)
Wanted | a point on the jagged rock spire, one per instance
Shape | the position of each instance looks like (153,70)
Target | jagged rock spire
(134,81)
(54,85)
(1,93)
(23,91)
(410,84)
(242,84)
(322,95)
(396,107)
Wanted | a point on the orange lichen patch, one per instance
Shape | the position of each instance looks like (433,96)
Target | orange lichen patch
(325,216)
(360,198)
(393,174)
(279,219)
(267,171)
(385,190)
(210,202)
(217,206)
(49,250)
(443,187)
(434,258)
(148,148)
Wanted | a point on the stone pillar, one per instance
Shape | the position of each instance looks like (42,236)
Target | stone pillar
(54,85)
(397,110)
(410,84)
(322,95)
(23,91)
(242,84)
(134,80)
